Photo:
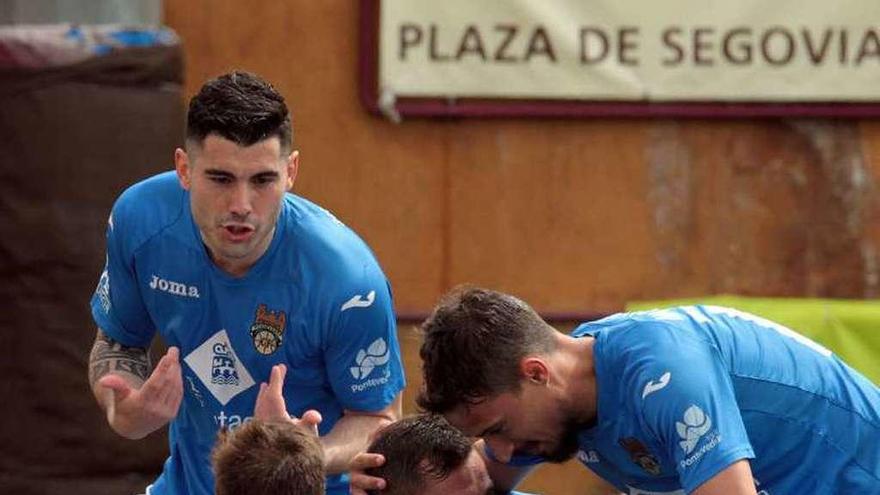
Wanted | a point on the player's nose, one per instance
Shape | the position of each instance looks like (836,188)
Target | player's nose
(502,449)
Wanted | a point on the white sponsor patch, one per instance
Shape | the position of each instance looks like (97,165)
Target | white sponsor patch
(695,424)
(376,354)
(219,369)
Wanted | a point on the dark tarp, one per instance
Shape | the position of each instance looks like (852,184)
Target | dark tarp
(71,139)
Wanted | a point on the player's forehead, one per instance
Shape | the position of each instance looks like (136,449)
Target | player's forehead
(470,478)
(218,153)
(475,419)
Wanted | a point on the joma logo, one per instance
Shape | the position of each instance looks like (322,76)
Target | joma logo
(176,288)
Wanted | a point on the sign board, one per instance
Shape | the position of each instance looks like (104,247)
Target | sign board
(622,57)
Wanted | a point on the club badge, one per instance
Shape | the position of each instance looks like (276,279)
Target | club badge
(268,330)
(640,455)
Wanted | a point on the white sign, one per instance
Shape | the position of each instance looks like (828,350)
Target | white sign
(632,50)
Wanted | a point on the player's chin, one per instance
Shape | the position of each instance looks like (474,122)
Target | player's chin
(232,251)
(563,451)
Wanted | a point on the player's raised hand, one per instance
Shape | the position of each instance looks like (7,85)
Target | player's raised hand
(270,404)
(359,481)
(136,412)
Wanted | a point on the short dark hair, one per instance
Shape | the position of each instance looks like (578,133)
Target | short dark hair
(416,449)
(474,341)
(240,107)
(268,457)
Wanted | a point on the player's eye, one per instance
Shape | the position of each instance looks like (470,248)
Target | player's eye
(220,179)
(262,180)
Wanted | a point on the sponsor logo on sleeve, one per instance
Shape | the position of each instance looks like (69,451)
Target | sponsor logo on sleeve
(375,355)
(694,426)
(268,330)
(368,359)
(217,366)
(359,301)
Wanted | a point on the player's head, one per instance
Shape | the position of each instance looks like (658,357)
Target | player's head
(487,364)
(237,166)
(240,107)
(263,457)
(474,342)
(425,455)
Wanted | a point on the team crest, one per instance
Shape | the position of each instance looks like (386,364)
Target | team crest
(268,330)
(640,455)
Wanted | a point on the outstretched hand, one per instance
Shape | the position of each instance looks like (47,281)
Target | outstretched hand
(270,404)
(136,412)
(359,481)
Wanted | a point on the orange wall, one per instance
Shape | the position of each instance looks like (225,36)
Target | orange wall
(572,215)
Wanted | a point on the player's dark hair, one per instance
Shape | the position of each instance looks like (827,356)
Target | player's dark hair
(417,449)
(240,107)
(262,457)
(473,344)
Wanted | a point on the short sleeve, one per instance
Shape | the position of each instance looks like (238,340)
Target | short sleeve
(363,353)
(117,307)
(686,400)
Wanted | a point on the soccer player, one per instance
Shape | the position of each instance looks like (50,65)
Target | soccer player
(260,457)
(697,399)
(425,455)
(238,275)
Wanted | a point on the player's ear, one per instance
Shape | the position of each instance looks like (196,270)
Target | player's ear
(292,169)
(183,167)
(535,370)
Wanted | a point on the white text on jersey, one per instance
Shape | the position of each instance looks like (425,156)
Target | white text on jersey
(176,288)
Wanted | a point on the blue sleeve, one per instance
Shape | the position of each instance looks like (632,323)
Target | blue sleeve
(686,400)
(117,307)
(363,354)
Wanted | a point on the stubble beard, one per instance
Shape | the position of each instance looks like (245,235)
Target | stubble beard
(568,445)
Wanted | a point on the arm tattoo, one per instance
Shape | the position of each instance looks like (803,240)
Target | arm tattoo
(108,355)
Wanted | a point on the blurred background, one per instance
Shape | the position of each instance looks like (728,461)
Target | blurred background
(578,216)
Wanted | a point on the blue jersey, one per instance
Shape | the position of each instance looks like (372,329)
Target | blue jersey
(316,301)
(685,392)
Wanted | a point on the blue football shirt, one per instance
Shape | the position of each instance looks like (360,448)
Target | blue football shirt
(685,392)
(316,301)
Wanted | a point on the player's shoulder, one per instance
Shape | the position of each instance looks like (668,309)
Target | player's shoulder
(324,242)
(158,195)
(638,330)
(147,207)
(633,346)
